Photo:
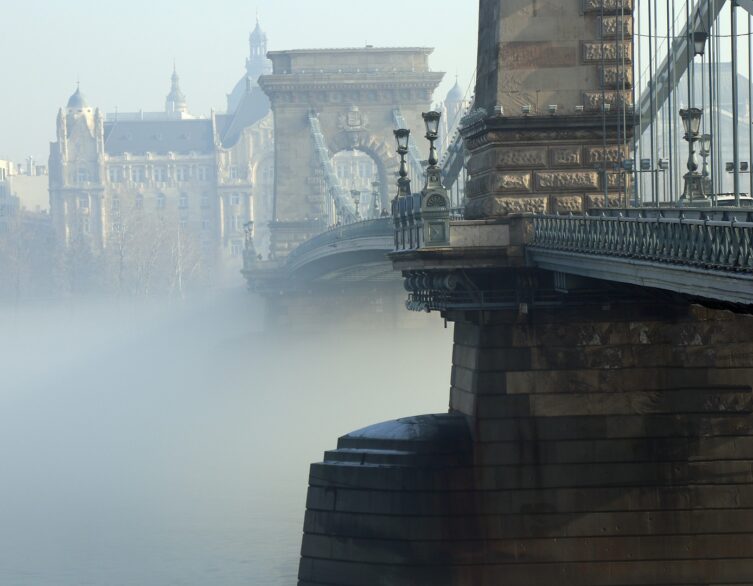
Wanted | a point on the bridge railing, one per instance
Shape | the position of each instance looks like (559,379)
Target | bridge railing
(718,244)
(378,227)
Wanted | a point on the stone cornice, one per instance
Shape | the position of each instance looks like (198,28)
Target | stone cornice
(540,128)
(272,84)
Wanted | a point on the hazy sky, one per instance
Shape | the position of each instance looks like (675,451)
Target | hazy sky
(123,51)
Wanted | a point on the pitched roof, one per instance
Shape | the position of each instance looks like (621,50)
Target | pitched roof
(139,137)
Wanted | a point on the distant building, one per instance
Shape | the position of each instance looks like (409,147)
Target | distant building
(193,180)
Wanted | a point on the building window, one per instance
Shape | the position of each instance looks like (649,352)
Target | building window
(83,202)
(115,174)
(235,172)
(115,205)
(205,224)
(160,174)
(139,202)
(236,248)
(182,173)
(235,199)
(204,173)
(138,174)
(236,223)
(183,224)
(82,175)
(183,201)
(160,201)
(205,201)
(85,225)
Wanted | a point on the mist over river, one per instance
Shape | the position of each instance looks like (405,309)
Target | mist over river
(168,443)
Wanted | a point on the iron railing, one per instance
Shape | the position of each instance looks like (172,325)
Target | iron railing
(379,227)
(725,245)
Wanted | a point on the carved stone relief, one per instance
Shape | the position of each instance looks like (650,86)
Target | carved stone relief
(597,200)
(513,182)
(613,51)
(493,206)
(615,26)
(569,156)
(566,203)
(517,157)
(616,99)
(617,77)
(610,154)
(536,55)
(567,180)
(607,5)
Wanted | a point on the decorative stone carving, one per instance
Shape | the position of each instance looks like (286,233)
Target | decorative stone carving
(616,99)
(566,203)
(597,200)
(517,157)
(353,120)
(613,51)
(568,156)
(537,55)
(567,180)
(615,26)
(610,154)
(608,5)
(512,182)
(617,77)
(616,181)
(494,206)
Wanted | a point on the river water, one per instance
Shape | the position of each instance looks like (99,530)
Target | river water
(153,444)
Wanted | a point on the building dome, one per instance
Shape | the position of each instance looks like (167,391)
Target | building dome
(455,95)
(77,101)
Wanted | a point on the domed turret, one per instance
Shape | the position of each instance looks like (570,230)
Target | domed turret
(175,103)
(77,101)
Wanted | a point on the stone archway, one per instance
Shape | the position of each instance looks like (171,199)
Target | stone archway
(386,160)
(354,93)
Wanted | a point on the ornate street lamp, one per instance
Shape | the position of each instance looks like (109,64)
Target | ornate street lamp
(356,195)
(693,189)
(376,193)
(705,152)
(431,119)
(699,42)
(402,136)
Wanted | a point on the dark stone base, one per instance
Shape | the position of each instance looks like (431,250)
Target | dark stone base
(388,505)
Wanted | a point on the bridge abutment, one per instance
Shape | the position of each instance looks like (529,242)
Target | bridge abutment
(586,445)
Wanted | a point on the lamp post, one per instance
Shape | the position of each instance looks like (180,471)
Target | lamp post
(356,195)
(693,190)
(375,193)
(402,135)
(705,152)
(431,120)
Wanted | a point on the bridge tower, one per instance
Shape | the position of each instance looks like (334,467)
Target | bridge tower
(599,433)
(352,99)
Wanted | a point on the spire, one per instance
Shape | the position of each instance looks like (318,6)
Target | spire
(176,100)
(257,63)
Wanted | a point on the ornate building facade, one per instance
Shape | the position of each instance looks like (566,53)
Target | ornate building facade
(126,186)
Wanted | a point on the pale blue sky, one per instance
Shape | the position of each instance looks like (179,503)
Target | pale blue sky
(123,51)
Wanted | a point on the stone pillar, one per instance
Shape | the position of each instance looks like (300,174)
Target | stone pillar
(612,443)
(554,87)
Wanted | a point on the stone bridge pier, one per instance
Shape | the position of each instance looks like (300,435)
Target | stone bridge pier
(587,444)
(597,434)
